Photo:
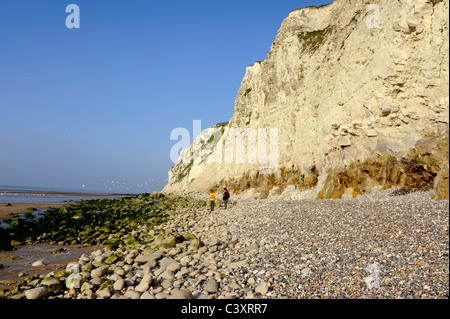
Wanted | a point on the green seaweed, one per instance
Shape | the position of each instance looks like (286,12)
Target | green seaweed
(94,222)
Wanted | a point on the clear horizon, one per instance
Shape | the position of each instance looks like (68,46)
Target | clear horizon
(92,108)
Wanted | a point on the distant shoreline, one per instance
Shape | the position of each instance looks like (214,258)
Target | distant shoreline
(14,202)
(9,191)
(16,208)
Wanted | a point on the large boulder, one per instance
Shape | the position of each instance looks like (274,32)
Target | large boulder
(36,293)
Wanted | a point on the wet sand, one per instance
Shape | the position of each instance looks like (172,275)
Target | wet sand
(7,212)
(20,261)
(42,200)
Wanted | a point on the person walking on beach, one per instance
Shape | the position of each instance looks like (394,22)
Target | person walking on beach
(212,199)
(226,196)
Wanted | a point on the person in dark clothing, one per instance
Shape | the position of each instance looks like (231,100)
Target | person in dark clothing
(226,196)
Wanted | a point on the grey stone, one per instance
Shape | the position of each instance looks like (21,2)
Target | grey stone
(174,266)
(147,295)
(237,264)
(145,283)
(212,286)
(99,272)
(234,285)
(181,294)
(38,263)
(145,258)
(103,293)
(36,293)
(166,283)
(98,252)
(132,294)
(168,274)
(119,284)
(263,288)
(174,251)
(97,281)
(253,246)
(186,260)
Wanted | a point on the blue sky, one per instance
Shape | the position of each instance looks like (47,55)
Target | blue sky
(94,105)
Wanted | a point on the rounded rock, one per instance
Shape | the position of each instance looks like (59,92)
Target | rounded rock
(36,293)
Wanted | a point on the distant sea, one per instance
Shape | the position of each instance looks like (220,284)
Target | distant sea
(47,189)
(25,194)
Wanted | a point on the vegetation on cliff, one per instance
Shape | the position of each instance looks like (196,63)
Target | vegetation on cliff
(424,167)
(264,183)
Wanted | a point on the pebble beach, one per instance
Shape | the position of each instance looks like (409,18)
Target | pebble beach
(374,246)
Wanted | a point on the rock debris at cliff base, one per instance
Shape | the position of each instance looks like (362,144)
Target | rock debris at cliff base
(374,246)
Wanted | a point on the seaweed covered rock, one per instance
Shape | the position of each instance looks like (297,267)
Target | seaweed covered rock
(167,240)
(110,222)
(51,283)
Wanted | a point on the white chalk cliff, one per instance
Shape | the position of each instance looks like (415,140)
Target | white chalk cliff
(342,83)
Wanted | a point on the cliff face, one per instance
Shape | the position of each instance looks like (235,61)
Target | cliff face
(347,82)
